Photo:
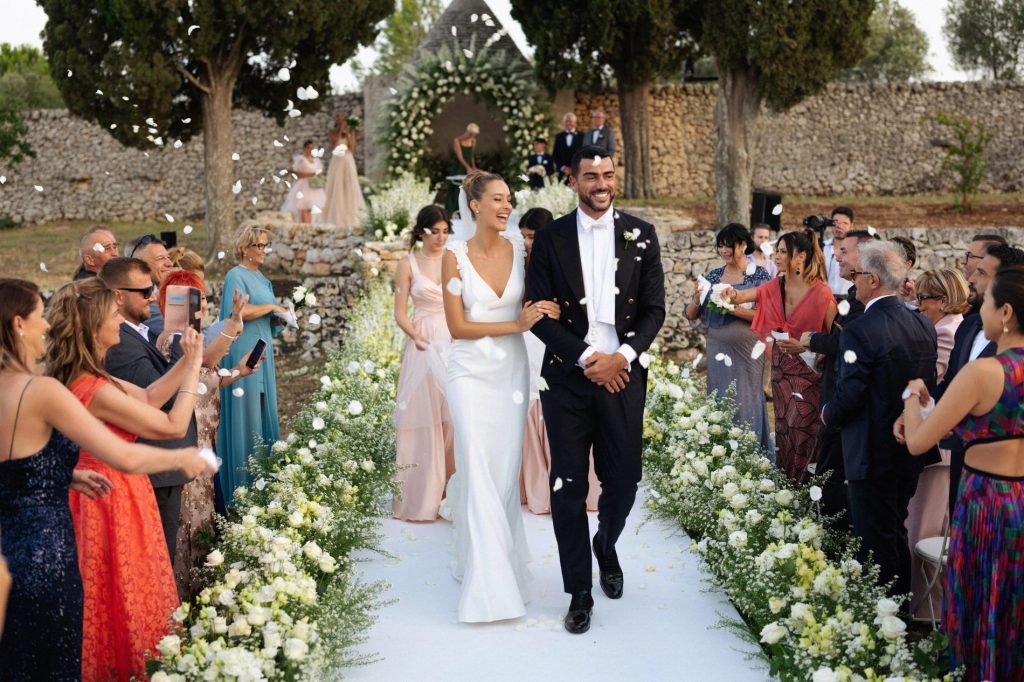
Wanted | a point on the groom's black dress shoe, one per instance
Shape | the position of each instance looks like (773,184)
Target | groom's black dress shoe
(611,572)
(577,620)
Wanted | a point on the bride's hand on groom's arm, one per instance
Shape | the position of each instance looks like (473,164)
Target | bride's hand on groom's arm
(530,315)
(550,309)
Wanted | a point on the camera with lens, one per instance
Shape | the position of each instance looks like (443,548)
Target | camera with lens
(818,223)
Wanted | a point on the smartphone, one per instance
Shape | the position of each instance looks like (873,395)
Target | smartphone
(256,354)
(182,308)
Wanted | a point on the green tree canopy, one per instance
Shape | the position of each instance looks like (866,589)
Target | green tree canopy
(775,52)
(896,48)
(630,43)
(149,70)
(987,36)
(402,33)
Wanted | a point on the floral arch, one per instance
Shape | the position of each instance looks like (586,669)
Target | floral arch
(489,77)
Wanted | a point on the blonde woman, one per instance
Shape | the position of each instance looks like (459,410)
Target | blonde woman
(42,425)
(942,299)
(249,408)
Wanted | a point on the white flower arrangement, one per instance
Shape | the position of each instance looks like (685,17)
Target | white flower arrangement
(489,76)
(554,196)
(393,208)
(818,613)
(281,600)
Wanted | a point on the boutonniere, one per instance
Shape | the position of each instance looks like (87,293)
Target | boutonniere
(631,236)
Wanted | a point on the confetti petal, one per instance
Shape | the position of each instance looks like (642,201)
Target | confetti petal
(872,231)
(224,372)
(517,397)
(238,392)
(201,389)
(758,349)
(751,269)
(187,229)
(454,287)
(325,380)
(169,217)
(284,74)
(38,188)
(849,357)
(314,319)
(42,266)
(767,248)
(696,360)
(815,493)
(235,156)
(318,423)
(193,28)
(557,485)
(844,308)
(777,209)
(220,255)
(237,187)
(98,248)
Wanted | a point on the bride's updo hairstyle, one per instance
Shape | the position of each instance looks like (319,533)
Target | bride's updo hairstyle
(806,242)
(476,183)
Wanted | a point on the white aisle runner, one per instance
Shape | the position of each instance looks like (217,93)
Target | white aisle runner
(664,628)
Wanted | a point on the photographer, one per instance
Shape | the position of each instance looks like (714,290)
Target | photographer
(841,222)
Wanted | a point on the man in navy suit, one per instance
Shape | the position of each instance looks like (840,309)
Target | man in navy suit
(136,359)
(605,267)
(881,352)
(567,143)
(539,164)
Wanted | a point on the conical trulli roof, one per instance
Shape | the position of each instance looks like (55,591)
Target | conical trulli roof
(469,18)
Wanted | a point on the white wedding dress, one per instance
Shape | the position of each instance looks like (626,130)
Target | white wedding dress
(488,397)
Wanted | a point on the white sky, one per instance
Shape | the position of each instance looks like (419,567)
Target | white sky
(24,20)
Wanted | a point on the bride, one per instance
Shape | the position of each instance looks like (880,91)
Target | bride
(488,384)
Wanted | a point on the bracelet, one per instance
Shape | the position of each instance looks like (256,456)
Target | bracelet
(229,336)
(182,390)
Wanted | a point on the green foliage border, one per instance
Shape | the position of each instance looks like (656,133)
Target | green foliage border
(486,75)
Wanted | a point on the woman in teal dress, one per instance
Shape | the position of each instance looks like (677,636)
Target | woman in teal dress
(463,161)
(251,415)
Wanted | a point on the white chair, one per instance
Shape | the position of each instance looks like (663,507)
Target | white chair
(933,553)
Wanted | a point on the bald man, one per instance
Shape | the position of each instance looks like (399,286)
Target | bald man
(98,245)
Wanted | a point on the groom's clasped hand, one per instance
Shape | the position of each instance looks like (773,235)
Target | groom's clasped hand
(608,370)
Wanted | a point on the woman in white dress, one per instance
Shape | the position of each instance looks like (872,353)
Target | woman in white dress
(488,387)
(345,205)
(306,196)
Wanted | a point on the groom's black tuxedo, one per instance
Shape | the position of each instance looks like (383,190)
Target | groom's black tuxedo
(579,414)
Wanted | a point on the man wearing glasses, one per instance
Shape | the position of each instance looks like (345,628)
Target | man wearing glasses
(151,250)
(98,245)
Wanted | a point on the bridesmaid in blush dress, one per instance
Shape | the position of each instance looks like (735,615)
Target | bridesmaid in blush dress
(40,424)
(306,198)
(127,576)
(425,447)
(344,204)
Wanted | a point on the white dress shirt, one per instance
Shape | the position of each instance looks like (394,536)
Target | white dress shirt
(568,137)
(597,134)
(141,329)
(980,341)
(597,258)
(839,286)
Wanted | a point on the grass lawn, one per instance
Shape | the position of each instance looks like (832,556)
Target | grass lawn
(24,249)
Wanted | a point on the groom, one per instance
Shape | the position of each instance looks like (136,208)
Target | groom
(605,268)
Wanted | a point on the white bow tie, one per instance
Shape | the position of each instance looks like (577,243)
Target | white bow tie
(602,222)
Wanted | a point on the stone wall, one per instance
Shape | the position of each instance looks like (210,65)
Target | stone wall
(86,174)
(863,139)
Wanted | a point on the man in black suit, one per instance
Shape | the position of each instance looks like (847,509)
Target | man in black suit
(605,267)
(834,498)
(969,342)
(567,143)
(881,351)
(137,360)
(539,164)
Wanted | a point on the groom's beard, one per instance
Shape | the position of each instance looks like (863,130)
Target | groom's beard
(588,201)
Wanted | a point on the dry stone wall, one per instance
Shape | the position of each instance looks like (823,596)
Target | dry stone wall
(860,139)
(85,174)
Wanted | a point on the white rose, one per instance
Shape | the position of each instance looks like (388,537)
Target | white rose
(773,632)
(220,625)
(738,501)
(170,645)
(295,649)
(784,497)
(807,534)
(198,631)
(295,519)
(226,598)
(180,613)
(258,616)
(240,628)
(328,564)
(766,485)
(799,611)
(718,451)
(310,299)
(729,489)
(312,550)
(775,604)
(893,627)
(368,466)
(824,675)
(279,446)
(301,630)
(738,538)
(214,558)
(886,607)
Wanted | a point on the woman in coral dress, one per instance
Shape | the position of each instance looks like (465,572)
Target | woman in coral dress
(425,448)
(344,204)
(127,578)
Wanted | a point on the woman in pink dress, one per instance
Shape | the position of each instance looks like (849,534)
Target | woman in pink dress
(535,475)
(942,298)
(798,300)
(306,198)
(425,446)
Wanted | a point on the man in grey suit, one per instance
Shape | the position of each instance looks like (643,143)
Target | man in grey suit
(600,135)
(136,359)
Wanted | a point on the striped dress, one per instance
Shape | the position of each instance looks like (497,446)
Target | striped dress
(984,615)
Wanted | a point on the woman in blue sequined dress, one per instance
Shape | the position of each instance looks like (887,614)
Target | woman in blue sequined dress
(40,423)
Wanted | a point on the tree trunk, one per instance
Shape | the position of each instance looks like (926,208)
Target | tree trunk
(636,140)
(736,117)
(217,166)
